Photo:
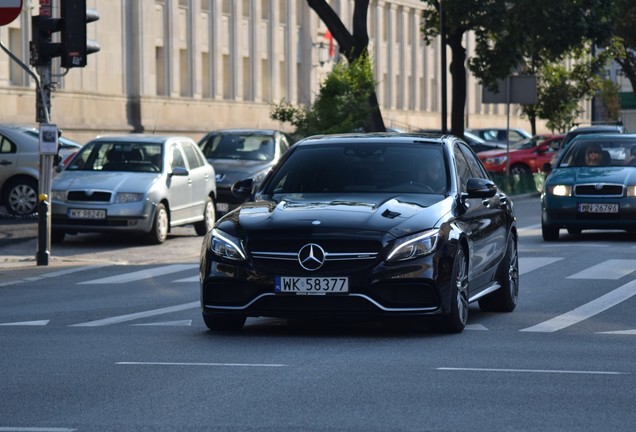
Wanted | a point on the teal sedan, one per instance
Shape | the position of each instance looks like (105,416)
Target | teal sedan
(592,186)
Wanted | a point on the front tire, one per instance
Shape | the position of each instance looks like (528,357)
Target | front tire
(505,298)
(455,321)
(159,232)
(218,322)
(209,216)
(21,197)
(549,233)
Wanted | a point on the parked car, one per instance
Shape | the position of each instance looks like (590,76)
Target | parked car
(524,157)
(350,226)
(19,166)
(579,195)
(136,184)
(476,143)
(498,135)
(240,153)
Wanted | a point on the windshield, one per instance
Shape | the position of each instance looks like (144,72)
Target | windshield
(344,168)
(245,146)
(600,152)
(118,156)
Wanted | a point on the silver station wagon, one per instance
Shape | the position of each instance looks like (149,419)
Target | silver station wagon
(143,184)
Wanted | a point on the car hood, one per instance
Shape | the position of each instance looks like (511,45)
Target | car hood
(332,214)
(231,170)
(577,175)
(106,181)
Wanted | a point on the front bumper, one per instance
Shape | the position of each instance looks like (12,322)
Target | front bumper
(137,217)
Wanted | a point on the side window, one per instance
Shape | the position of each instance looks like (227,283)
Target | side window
(283,144)
(177,157)
(6,146)
(475,166)
(191,155)
(463,171)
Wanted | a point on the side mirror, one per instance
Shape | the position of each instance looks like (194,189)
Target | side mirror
(480,188)
(179,171)
(243,188)
(546,167)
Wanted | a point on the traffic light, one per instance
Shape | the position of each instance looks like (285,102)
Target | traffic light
(42,47)
(75,47)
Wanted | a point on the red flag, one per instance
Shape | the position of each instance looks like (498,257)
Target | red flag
(329,37)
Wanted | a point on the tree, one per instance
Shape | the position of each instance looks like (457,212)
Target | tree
(626,31)
(341,105)
(521,35)
(352,45)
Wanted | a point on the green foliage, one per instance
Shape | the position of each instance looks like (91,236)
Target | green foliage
(610,99)
(342,104)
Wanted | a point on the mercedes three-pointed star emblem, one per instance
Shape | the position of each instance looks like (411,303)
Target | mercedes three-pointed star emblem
(311,257)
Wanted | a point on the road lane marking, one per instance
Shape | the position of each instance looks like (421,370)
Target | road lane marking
(142,274)
(620,332)
(527,265)
(34,429)
(612,269)
(201,364)
(54,274)
(27,323)
(137,315)
(190,279)
(587,310)
(550,371)
(167,323)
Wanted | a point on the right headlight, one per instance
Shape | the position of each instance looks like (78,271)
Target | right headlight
(226,246)
(560,190)
(414,246)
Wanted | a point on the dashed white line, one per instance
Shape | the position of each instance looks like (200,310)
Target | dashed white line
(547,371)
(134,316)
(201,364)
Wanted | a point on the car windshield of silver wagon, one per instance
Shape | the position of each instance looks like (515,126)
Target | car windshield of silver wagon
(118,156)
(238,146)
(345,168)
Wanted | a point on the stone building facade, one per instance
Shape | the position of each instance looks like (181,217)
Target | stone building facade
(189,66)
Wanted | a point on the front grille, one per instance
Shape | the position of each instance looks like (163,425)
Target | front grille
(598,189)
(341,256)
(93,196)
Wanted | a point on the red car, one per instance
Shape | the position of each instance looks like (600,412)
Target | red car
(526,156)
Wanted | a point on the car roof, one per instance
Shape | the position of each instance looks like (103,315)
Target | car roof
(377,137)
(609,136)
(245,130)
(597,128)
(148,138)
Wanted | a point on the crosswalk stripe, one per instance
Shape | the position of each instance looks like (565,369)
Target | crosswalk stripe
(187,280)
(137,315)
(27,323)
(587,310)
(612,269)
(142,274)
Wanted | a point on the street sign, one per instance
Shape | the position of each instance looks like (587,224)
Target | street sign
(9,10)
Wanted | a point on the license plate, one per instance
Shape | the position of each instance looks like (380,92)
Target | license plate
(312,285)
(86,214)
(222,207)
(598,208)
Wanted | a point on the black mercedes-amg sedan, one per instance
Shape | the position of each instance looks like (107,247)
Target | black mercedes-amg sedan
(390,227)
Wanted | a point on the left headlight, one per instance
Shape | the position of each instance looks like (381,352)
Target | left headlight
(497,160)
(128,197)
(631,191)
(226,246)
(414,246)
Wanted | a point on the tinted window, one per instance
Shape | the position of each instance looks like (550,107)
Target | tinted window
(191,155)
(463,170)
(475,166)
(247,146)
(362,168)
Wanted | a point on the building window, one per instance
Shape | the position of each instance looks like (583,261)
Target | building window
(226,7)
(227,79)
(206,88)
(183,4)
(16,73)
(265,86)
(247,6)
(282,18)
(247,79)
(184,73)
(265,10)
(160,71)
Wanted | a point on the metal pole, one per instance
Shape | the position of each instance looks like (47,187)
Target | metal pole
(442,31)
